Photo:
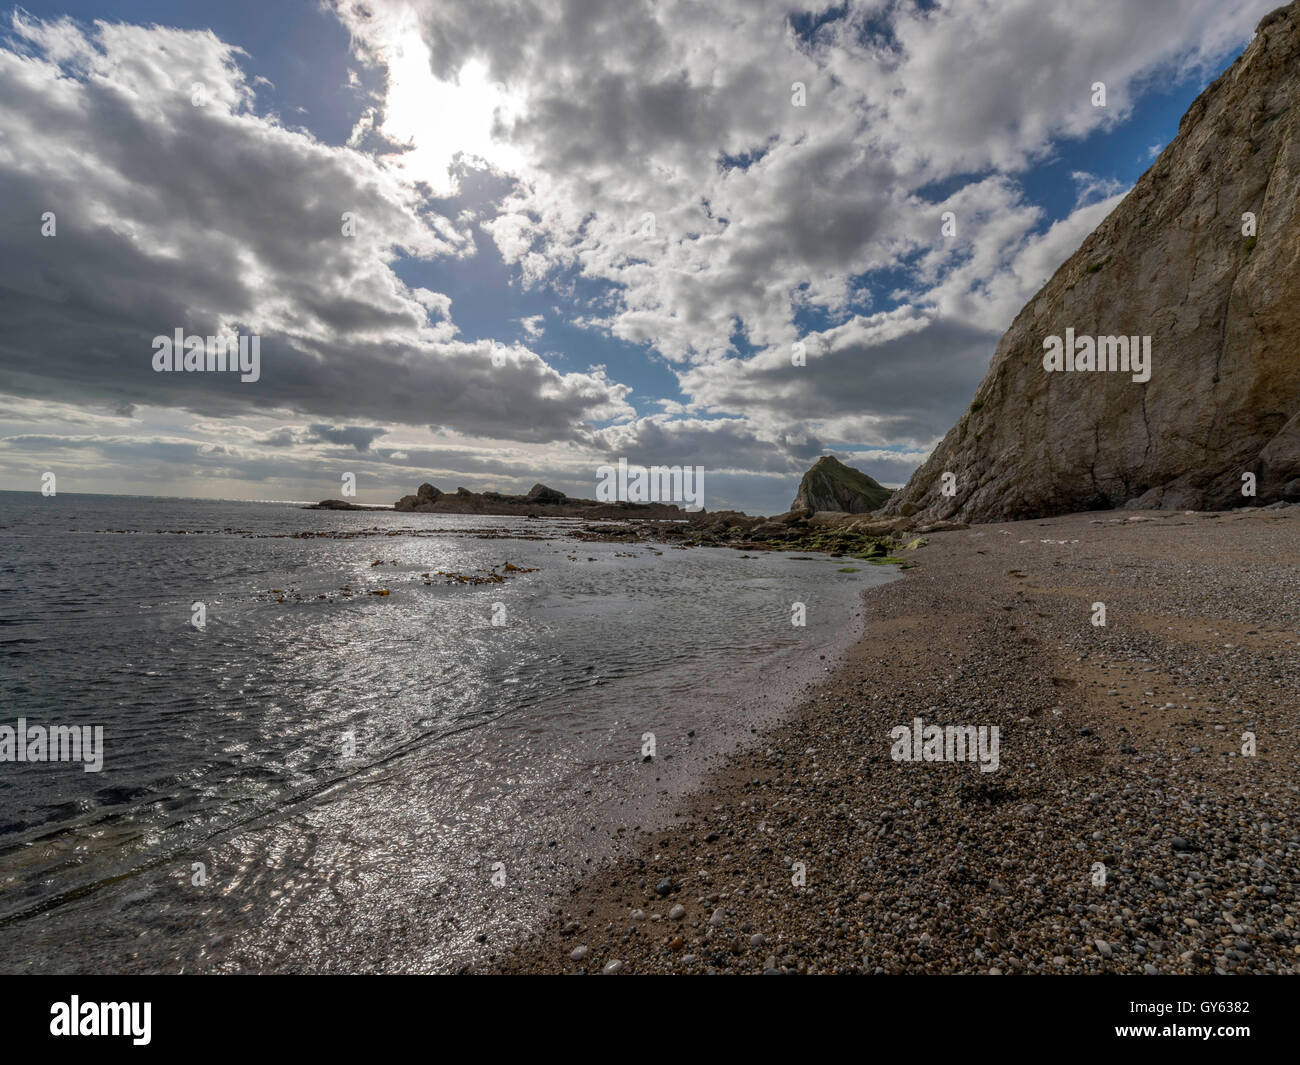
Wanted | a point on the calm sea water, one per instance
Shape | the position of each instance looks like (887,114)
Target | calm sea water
(323,782)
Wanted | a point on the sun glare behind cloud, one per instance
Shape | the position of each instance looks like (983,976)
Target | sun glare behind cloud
(441,119)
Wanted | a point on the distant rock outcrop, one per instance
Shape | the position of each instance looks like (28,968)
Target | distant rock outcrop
(339,504)
(540,502)
(541,494)
(830,485)
(1177,261)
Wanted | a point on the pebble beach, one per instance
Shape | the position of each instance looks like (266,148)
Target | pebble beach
(1142,817)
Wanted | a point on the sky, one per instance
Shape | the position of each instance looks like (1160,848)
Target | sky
(508,241)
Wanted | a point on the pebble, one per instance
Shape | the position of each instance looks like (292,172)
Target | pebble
(945,869)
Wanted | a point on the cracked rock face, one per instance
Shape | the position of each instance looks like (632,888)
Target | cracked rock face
(1222,310)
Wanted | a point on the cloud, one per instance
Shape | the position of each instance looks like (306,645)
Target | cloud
(891,378)
(214,219)
(623,110)
(359,437)
(643,161)
(1092,187)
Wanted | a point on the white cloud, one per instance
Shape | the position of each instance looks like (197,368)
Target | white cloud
(650,146)
(621,110)
(177,210)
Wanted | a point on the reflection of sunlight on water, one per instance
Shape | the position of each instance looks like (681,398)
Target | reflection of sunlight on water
(473,742)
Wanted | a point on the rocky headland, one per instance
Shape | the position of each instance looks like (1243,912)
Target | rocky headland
(831,485)
(540,502)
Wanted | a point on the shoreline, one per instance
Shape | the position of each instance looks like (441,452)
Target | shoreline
(1123,832)
(387,864)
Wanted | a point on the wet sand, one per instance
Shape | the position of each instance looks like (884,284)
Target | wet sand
(1124,830)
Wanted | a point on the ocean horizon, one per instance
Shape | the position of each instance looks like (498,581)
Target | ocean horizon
(645,488)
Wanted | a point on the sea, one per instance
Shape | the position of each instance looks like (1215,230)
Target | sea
(346,741)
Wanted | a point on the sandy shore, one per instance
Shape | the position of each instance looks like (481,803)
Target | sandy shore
(1124,830)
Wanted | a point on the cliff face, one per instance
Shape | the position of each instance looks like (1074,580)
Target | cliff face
(1222,309)
(830,485)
